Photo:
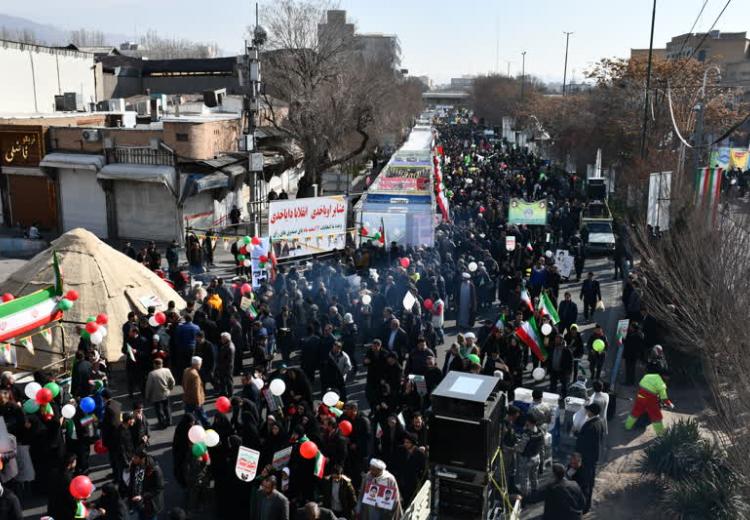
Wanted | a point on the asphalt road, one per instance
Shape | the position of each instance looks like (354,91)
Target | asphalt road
(161,440)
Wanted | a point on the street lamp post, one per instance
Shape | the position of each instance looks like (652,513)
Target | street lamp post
(523,71)
(565,69)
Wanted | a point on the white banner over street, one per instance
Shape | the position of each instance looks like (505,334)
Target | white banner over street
(307,226)
(659,197)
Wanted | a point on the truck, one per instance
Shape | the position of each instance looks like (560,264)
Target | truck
(596,220)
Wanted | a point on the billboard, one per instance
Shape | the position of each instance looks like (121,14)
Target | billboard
(530,213)
(307,226)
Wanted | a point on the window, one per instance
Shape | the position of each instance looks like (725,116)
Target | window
(183,138)
(702,55)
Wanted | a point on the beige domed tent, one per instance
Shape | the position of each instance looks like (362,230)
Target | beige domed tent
(107,281)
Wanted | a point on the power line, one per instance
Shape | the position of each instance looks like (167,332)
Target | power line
(690,32)
(705,35)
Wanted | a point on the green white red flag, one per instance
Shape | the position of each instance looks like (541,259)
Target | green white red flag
(528,332)
(547,308)
(320,465)
(27,313)
(526,299)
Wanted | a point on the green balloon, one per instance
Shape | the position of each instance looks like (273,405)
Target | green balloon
(262,265)
(53,387)
(247,239)
(199,449)
(598,345)
(85,334)
(240,258)
(30,406)
(90,318)
(65,304)
(474,359)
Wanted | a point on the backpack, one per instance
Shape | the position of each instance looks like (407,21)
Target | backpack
(535,445)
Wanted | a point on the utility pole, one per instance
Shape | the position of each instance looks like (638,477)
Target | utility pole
(565,69)
(698,144)
(508,68)
(250,82)
(523,71)
(648,83)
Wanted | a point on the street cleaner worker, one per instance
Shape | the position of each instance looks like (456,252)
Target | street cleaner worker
(651,392)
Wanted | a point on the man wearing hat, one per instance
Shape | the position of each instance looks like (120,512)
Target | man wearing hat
(466,303)
(588,445)
(380,480)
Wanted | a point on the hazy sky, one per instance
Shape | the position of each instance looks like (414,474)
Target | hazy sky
(439,38)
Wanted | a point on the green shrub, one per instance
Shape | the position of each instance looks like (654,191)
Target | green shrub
(712,497)
(673,452)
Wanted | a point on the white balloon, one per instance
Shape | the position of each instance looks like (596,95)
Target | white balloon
(258,383)
(473,266)
(103,330)
(548,254)
(197,434)
(277,386)
(68,411)
(538,374)
(330,398)
(152,321)
(96,338)
(246,262)
(31,389)
(212,438)
(546,329)
(366,299)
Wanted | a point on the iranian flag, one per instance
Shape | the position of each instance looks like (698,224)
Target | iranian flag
(381,238)
(252,311)
(548,309)
(526,299)
(320,465)
(32,311)
(708,185)
(528,332)
(499,323)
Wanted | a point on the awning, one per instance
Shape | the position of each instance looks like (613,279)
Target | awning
(140,173)
(73,160)
(210,182)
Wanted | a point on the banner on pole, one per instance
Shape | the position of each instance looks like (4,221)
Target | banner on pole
(529,213)
(307,226)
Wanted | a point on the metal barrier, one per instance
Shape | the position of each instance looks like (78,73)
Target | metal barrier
(420,507)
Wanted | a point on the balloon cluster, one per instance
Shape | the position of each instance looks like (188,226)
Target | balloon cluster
(202,439)
(95,329)
(40,397)
(66,302)
(246,245)
(87,405)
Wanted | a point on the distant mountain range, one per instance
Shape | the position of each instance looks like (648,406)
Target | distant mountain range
(17,28)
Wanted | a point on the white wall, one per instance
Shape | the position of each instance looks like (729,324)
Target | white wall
(29,69)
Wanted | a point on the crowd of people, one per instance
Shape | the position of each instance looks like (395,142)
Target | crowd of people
(319,329)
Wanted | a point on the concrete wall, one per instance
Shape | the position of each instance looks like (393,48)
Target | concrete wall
(33,75)
(205,140)
(189,84)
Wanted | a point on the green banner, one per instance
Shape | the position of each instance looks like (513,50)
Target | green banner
(530,213)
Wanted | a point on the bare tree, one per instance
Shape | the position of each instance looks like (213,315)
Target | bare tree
(336,99)
(87,38)
(694,283)
(158,48)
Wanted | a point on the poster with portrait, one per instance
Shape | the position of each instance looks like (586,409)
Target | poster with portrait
(564,262)
(380,496)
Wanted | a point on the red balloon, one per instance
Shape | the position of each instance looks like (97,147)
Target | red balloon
(246,288)
(72,295)
(428,304)
(308,449)
(256,241)
(243,250)
(81,487)
(364,231)
(44,396)
(263,259)
(160,318)
(481,209)
(223,405)
(92,327)
(8,297)
(405,263)
(99,447)
(346,428)
(102,319)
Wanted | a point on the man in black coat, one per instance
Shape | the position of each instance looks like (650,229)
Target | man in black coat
(590,295)
(560,366)
(588,443)
(634,348)
(376,366)
(310,348)
(568,312)
(452,360)
(359,441)
(563,499)
(397,340)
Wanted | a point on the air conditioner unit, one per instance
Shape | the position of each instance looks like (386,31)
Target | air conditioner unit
(91,135)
